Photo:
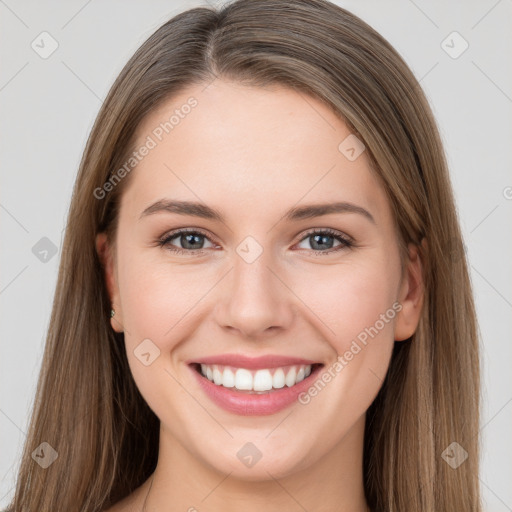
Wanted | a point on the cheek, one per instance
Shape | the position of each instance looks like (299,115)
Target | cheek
(155,297)
(351,298)
(355,308)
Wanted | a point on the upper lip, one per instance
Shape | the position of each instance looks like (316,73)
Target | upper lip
(256,363)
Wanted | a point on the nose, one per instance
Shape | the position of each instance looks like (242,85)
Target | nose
(254,301)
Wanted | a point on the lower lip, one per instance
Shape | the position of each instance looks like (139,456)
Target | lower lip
(245,404)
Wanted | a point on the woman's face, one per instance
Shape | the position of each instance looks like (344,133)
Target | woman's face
(272,286)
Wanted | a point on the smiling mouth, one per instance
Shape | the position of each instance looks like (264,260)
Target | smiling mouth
(251,381)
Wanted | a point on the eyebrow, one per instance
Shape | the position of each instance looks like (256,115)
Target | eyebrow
(298,213)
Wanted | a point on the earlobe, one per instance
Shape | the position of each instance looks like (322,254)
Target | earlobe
(411,295)
(105,255)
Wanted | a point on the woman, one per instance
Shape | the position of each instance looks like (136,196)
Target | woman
(263,301)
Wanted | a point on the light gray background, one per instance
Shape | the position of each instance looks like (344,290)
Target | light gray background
(49,105)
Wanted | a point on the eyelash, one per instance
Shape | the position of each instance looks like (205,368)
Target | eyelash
(346,243)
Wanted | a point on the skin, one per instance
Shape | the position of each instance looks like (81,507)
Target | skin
(252,154)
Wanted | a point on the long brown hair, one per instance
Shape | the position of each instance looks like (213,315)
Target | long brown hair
(87,405)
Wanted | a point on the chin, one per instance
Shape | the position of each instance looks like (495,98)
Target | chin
(259,460)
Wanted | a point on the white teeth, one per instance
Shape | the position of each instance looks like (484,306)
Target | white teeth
(217,376)
(290,377)
(243,379)
(228,379)
(278,379)
(262,380)
(255,380)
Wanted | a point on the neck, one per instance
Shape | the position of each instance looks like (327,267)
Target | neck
(334,482)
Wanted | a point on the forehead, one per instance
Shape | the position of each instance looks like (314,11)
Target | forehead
(242,147)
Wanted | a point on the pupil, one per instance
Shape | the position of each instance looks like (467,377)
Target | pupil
(190,239)
(322,240)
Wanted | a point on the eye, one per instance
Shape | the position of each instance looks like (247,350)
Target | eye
(323,241)
(191,241)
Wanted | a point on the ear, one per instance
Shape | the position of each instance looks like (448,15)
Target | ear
(411,294)
(106,256)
